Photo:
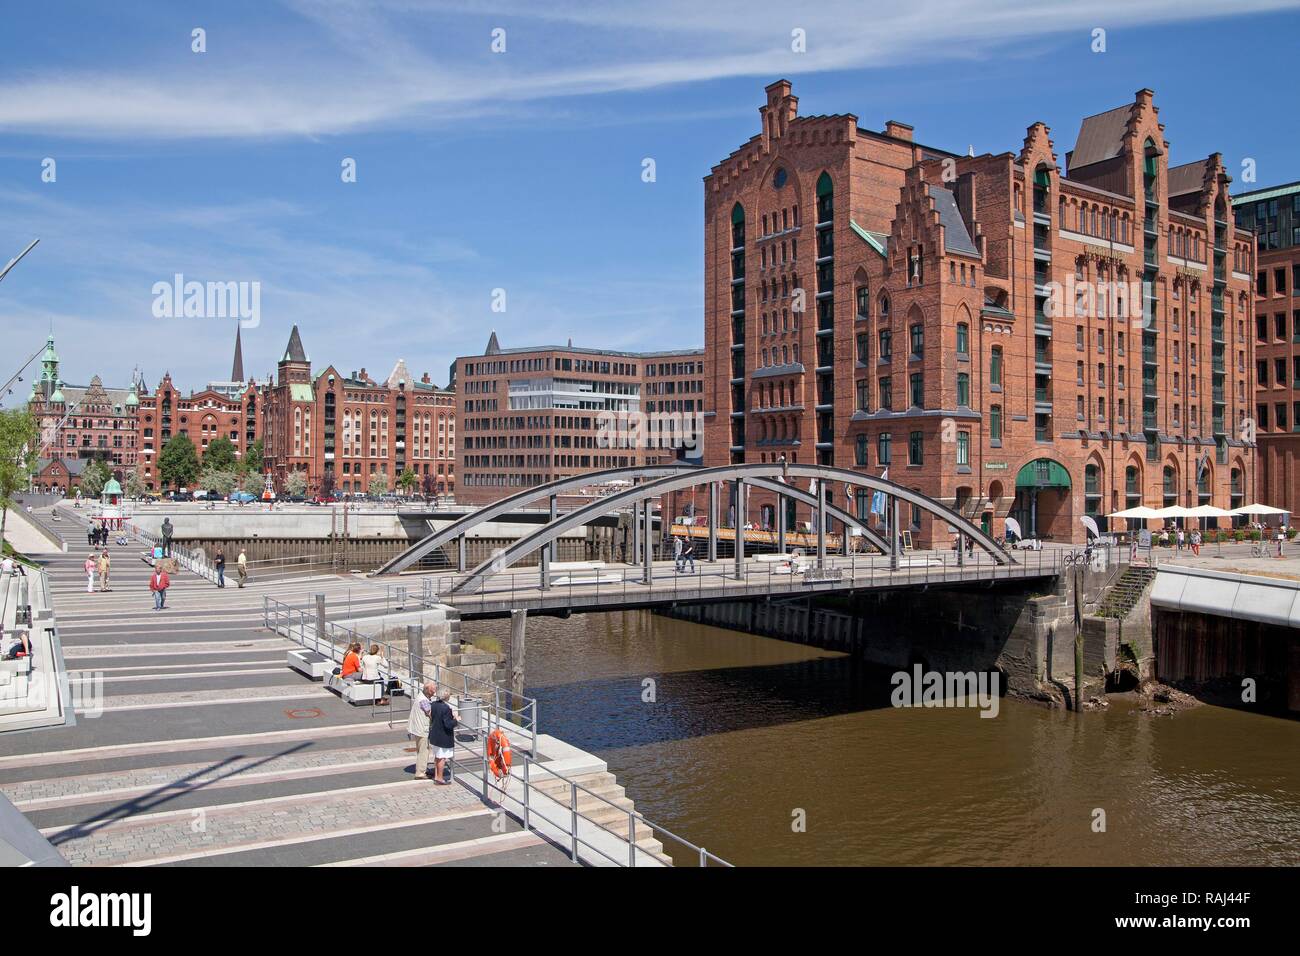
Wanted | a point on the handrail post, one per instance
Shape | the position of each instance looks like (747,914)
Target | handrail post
(631,839)
(573,818)
(527,806)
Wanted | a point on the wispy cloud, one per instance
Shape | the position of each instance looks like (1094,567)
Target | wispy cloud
(364,65)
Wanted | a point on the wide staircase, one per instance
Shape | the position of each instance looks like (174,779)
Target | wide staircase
(602,800)
(1124,594)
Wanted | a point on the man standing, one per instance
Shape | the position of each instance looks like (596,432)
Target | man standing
(103,570)
(417,728)
(688,557)
(219,562)
(167,536)
(677,553)
(158,584)
(442,733)
(243,567)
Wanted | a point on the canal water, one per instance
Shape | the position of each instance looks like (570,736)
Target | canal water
(739,739)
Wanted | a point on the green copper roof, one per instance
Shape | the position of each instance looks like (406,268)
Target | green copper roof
(1043,473)
(301,392)
(111,487)
(868,238)
(1289,189)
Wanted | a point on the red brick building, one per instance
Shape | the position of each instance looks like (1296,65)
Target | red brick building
(533,415)
(1003,335)
(1273,215)
(345,432)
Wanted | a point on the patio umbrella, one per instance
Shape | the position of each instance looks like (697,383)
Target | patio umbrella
(1139,513)
(1209,511)
(1174,511)
(1258,509)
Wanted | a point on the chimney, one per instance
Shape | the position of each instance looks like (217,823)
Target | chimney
(364,377)
(424,379)
(898,130)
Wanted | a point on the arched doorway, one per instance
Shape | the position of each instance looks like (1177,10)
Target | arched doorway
(1043,504)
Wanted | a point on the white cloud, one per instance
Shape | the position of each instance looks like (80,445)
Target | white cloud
(343,65)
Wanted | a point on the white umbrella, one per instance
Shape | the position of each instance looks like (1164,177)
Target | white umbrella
(1258,509)
(1209,511)
(1139,513)
(1174,511)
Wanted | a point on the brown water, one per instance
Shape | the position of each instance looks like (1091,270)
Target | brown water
(746,731)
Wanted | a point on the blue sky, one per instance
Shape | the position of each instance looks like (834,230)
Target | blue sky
(518,170)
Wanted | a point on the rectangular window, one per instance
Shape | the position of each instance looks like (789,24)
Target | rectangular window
(917,382)
(915,449)
(963,388)
(963,448)
(883,442)
(886,393)
(860,450)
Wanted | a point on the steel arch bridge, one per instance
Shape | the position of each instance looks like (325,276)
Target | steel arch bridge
(767,476)
(458,529)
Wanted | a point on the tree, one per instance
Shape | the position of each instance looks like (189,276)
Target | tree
(220,455)
(408,480)
(378,483)
(327,483)
(251,463)
(178,463)
(295,483)
(221,481)
(18,434)
(133,486)
(93,478)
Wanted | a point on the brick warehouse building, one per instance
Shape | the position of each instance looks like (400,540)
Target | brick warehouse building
(1273,215)
(532,415)
(343,430)
(874,303)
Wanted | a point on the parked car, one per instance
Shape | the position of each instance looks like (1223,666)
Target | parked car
(241,497)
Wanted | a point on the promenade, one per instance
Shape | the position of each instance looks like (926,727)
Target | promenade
(209,750)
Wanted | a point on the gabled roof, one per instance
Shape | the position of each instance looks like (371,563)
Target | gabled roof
(876,240)
(1101,137)
(955,237)
(1188,178)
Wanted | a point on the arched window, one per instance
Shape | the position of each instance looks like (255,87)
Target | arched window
(825,198)
(737,226)
(864,302)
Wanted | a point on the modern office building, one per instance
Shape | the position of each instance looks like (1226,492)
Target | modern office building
(532,415)
(1273,215)
(1008,333)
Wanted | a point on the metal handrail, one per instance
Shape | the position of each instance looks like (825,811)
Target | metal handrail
(529,809)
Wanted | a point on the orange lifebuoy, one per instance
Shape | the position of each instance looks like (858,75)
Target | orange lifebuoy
(498,751)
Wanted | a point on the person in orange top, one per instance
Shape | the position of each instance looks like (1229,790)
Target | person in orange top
(351,663)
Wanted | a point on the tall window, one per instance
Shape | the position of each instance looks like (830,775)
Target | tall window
(918,340)
(886,345)
(915,449)
(917,388)
(995,422)
(864,302)
(963,388)
(883,443)
(860,450)
(963,338)
(995,366)
(963,448)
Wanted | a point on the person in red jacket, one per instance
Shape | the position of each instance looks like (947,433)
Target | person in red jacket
(158,584)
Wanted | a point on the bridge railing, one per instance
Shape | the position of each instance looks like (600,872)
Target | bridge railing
(625,584)
(406,665)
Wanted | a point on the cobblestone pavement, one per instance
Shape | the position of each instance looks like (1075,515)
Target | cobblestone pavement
(210,750)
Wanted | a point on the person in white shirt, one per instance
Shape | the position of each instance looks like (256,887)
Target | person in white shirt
(417,728)
(370,665)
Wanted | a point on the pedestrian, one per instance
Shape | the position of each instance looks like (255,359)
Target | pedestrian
(1281,539)
(1133,549)
(442,733)
(677,554)
(167,536)
(688,556)
(103,570)
(219,562)
(90,573)
(90,535)
(159,582)
(1196,542)
(1180,539)
(351,668)
(417,728)
(371,673)
(243,567)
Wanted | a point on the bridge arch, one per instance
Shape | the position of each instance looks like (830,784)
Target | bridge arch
(745,473)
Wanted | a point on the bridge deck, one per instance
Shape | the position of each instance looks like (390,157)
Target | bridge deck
(623,586)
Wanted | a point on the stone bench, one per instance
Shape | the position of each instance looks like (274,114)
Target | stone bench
(355,692)
(310,664)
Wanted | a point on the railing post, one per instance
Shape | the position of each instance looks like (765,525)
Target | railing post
(573,819)
(527,805)
(631,838)
(713,522)
(740,529)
